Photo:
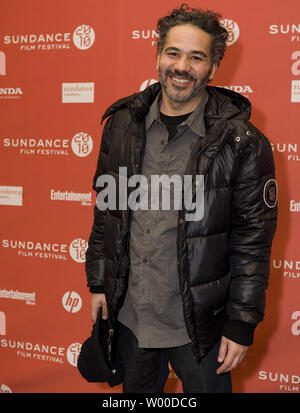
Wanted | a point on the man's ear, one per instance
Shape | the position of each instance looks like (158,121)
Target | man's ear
(157,61)
(213,71)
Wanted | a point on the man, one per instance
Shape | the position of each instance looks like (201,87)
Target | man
(192,290)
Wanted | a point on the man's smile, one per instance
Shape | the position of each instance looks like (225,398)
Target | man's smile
(180,79)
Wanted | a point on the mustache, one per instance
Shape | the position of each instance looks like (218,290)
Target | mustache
(184,75)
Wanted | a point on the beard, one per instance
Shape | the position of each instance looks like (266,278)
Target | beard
(177,93)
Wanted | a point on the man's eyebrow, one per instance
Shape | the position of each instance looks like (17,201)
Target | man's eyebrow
(197,52)
(200,52)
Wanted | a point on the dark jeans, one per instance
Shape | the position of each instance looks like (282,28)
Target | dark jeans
(142,367)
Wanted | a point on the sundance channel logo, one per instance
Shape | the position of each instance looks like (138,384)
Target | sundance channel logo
(11,195)
(81,145)
(48,250)
(82,38)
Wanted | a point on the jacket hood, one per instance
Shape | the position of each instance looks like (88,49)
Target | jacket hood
(225,104)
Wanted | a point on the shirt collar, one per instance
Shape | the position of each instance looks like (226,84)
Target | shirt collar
(195,121)
(153,114)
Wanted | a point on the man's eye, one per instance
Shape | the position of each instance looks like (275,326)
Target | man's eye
(197,58)
(172,54)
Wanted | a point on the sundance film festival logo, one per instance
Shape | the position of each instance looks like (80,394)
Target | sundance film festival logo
(72,302)
(289,150)
(43,352)
(80,145)
(48,250)
(290,268)
(83,38)
(78,249)
(161,192)
(145,34)
(290,31)
(73,353)
(233,30)
(152,36)
(5,389)
(284,382)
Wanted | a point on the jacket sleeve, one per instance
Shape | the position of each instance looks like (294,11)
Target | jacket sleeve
(253,225)
(95,254)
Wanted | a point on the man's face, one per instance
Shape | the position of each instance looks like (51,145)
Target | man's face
(184,65)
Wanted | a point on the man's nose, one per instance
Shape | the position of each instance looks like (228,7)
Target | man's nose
(183,64)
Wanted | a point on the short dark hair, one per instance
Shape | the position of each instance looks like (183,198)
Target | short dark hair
(206,20)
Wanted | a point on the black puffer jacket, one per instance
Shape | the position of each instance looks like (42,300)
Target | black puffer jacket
(223,259)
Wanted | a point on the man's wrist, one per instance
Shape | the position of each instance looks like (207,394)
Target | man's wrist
(97,289)
(239,331)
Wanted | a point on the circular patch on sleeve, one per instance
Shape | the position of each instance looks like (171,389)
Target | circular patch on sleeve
(270,193)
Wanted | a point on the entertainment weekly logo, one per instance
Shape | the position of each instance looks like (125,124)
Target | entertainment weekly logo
(80,145)
(48,250)
(294,205)
(151,36)
(27,297)
(69,196)
(83,37)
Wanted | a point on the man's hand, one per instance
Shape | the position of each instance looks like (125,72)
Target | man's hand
(97,301)
(230,354)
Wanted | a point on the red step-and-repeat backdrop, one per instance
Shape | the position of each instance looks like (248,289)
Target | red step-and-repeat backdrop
(62,63)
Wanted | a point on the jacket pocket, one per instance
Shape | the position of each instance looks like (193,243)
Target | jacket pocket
(210,298)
